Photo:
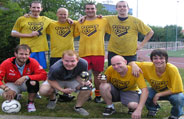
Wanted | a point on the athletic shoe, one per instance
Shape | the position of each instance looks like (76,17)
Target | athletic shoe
(31,107)
(38,96)
(173,117)
(65,98)
(81,111)
(130,111)
(98,99)
(108,111)
(52,104)
(151,113)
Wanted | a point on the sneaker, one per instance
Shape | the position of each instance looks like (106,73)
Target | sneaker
(108,111)
(65,98)
(98,99)
(130,111)
(151,113)
(81,111)
(52,104)
(31,107)
(173,117)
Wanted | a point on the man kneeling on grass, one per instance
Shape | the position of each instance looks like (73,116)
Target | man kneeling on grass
(21,74)
(122,86)
(165,81)
(64,76)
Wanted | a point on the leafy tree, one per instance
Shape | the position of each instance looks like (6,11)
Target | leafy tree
(9,12)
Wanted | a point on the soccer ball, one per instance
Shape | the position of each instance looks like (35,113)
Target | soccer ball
(11,106)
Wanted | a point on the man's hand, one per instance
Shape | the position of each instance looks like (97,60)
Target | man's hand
(20,81)
(68,90)
(70,21)
(9,95)
(136,114)
(156,98)
(34,33)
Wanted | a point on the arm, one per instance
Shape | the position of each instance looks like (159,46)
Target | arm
(161,94)
(143,98)
(39,74)
(135,69)
(22,35)
(146,39)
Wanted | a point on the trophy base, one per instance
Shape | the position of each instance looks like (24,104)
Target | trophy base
(85,88)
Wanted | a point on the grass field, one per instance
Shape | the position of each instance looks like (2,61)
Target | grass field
(65,109)
(178,53)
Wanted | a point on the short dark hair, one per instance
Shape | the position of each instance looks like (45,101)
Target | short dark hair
(121,1)
(159,52)
(89,3)
(35,2)
(24,47)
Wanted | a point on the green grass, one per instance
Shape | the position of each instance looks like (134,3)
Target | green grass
(65,109)
(178,53)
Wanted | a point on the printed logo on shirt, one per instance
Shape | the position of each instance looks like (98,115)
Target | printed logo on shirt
(63,31)
(120,30)
(89,30)
(28,71)
(36,26)
(159,85)
(11,74)
(120,84)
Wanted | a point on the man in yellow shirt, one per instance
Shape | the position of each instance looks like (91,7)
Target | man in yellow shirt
(91,43)
(124,31)
(32,31)
(165,82)
(122,86)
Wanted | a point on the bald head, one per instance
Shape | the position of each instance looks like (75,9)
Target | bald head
(62,14)
(117,58)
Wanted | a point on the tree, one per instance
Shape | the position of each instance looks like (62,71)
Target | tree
(9,12)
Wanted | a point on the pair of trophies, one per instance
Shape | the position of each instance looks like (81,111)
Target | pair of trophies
(85,77)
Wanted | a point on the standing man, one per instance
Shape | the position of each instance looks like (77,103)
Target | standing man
(124,34)
(122,86)
(165,82)
(61,35)
(91,43)
(20,74)
(32,31)
(64,76)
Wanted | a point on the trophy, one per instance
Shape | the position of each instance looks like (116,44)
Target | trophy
(85,77)
(103,77)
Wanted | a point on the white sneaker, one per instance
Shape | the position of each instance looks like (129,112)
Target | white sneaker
(81,111)
(31,107)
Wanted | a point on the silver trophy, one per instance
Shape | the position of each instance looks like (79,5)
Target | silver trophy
(85,77)
(103,77)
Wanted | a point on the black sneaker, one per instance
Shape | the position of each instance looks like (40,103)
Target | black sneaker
(130,111)
(108,111)
(151,113)
(173,117)
(98,99)
(65,98)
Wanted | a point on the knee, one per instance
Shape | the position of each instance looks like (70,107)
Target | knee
(177,99)
(45,90)
(32,86)
(132,105)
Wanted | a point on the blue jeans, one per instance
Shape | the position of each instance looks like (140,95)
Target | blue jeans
(176,100)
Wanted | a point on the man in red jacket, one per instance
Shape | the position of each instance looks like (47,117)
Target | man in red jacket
(19,74)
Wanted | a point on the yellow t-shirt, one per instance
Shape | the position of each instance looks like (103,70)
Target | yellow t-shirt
(126,83)
(61,38)
(27,25)
(91,34)
(124,34)
(169,80)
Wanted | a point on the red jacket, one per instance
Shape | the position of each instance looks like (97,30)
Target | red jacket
(10,73)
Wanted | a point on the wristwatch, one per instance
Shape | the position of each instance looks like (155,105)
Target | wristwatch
(27,77)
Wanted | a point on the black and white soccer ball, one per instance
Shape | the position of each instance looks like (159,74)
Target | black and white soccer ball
(11,106)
